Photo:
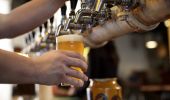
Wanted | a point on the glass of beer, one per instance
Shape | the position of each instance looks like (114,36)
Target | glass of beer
(71,42)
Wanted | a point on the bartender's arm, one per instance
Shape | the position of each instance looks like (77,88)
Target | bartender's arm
(51,68)
(27,17)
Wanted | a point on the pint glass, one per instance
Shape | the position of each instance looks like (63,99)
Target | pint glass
(71,42)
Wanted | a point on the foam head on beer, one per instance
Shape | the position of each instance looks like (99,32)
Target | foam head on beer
(71,43)
(71,37)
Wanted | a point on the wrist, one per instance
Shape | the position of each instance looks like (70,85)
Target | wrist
(35,71)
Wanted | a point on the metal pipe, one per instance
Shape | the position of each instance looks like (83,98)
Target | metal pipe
(143,18)
(82,12)
(98,5)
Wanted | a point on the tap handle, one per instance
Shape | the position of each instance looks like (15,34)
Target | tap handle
(33,34)
(52,20)
(29,37)
(73,4)
(26,41)
(66,26)
(63,10)
(58,30)
(40,29)
(46,25)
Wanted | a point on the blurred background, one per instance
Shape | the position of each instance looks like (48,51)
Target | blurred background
(139,60)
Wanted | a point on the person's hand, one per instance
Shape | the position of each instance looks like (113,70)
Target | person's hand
(54,68)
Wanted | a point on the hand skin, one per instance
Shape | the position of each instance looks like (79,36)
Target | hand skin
(51,68)
(27,17)
(54,67)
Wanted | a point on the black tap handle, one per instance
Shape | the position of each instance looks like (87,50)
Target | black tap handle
(40,29)
(52,20)
(63,10)
(26,40)
(29,37)
(33,34)
(73,4)
(46,25)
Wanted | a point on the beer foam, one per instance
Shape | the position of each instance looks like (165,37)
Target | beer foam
(72,37)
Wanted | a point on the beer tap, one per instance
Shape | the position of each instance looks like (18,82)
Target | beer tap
(63,14)
(26,50)
(50,31)
(70,23)
(51,23)
(63,21)
(40,31)
(73,7)
(46,32)
(46,28)
(30,38)
(51,37)
(33,41)
(98,5)
(39,41)
(27,41)
(52,28)
(70,20)
(33,35)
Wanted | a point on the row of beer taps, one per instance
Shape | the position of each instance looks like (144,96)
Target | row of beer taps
(99,21)
(90,14)
(41,39)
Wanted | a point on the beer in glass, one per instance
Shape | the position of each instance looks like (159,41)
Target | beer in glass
(71,42)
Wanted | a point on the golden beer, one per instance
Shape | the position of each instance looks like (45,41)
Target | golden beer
(71,42)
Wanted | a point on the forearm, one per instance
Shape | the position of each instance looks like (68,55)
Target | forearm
(27,17)
(16,69)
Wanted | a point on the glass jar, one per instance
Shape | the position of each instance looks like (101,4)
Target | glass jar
(104,89)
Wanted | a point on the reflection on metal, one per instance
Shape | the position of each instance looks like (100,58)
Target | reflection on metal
(167,24)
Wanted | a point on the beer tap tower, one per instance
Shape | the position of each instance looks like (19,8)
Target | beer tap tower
(102,20)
